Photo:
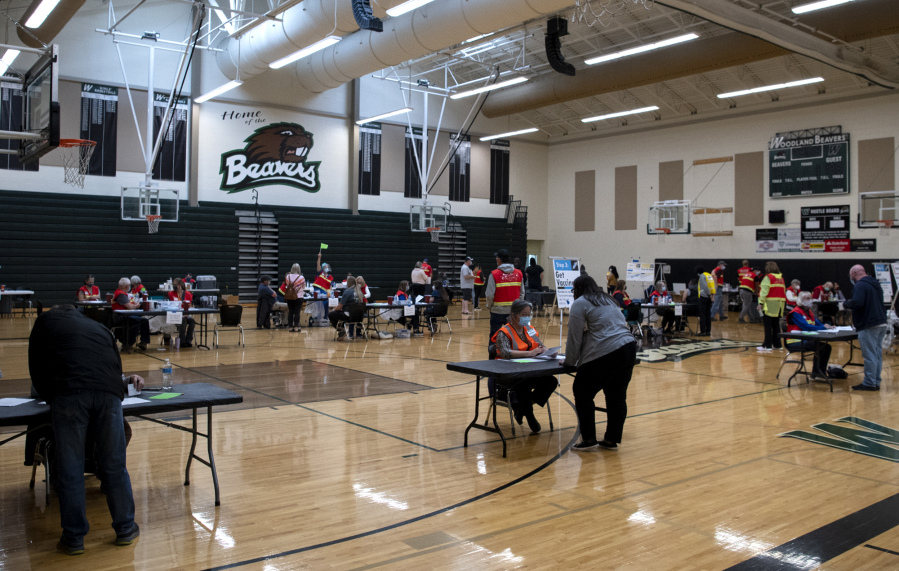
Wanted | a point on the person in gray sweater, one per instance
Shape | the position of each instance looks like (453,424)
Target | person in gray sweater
(604,352)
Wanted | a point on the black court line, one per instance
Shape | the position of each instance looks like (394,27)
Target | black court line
(15,339)
(868,545)
(409,521)
(827,542)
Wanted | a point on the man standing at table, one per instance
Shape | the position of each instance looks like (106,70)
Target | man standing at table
(76,369)
(504,285)
(466,279)
(121,300)
(870,320)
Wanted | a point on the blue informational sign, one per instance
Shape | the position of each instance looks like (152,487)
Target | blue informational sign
(565,272)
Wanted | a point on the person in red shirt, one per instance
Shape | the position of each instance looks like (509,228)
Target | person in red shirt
(822,292)
(137,288)
(186,329)
(427,269)
(88,292)
(133,323)
(793,294)
(747,278)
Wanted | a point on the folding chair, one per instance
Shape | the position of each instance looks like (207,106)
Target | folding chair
(510,396)
(229,321)
(433,323)
(355,322)
(634,318)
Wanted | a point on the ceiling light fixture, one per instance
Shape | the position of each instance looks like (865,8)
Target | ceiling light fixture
(218,91)
(512,134)
(641,49)
(499,85)
(620,114)
(38,16)
(308,50)
(384,116)
(817,6)
(407,7)
(7,60)
(770,87)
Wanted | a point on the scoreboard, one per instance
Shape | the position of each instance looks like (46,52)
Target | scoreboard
(808,162)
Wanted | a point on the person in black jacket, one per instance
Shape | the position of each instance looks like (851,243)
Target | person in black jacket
(870,320)
(75,366)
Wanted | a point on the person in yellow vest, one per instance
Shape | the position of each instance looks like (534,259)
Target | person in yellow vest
(518,339)
(706,294)
(505,284)
(479,284)
(772,299)
(747,289)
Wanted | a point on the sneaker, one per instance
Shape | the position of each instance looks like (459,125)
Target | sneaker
(607,445)
(865,388)
(532,422)
(766,349)
(581,446)
(70,549)
(129,538)
(142,346)
(186,344)
(418,334)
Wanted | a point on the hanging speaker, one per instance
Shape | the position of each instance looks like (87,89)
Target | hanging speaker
(365,17)
(555,29)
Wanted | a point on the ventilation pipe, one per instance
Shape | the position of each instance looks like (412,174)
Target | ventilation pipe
(300,27)
(852,22)
(431,28)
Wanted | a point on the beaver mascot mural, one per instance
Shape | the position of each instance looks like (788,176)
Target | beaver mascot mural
(285,142)
(274,155)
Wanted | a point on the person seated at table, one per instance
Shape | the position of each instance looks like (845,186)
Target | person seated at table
(518,339)
(822,292)
(188,279)
(801,319)
(352,296)
(659,293)
(793,294)
(121,300)
(265,301)
(138,291)
(281,306)
(76,368)
(620,294)
(88,292)
(843,314)
(690,298)
(186,329)
(366,293)
(441,297)
(404,293)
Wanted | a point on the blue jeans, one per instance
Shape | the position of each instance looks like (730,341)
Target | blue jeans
(717,308)
(871,340)
(73,412)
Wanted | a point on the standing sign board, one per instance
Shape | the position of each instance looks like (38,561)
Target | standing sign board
(565,271)
(637,272)
(807,162)
(825,229)
(882,275)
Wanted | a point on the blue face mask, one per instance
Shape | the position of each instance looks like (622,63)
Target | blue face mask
(853,281)
(524,321)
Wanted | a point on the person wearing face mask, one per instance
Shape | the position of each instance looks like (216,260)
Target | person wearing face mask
(822,292)
(604,352)
(772,299)
(870,320)
(667,315)
(518,339)
(802,319)
(793,295)
(323,284)
(88,292)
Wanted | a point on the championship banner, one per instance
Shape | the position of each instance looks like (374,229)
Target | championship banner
(370,159)
(807,162)
(565,271)
(499,171)
(412,178)
(825,229)
(171,162)
(460,169)
(12,102)
(99,121)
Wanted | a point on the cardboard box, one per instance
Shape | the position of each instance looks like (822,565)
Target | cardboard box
(229,300)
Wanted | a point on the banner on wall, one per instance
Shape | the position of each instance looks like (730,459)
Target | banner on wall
(99,123)
(12,101)
(499,171)
(864,245)
(412,176)
(774,240)
(882,275)
(808,162)
(370,159)
(637,272)
(460,169)
(274,155)
(171,161)
(565,271)
(825,229)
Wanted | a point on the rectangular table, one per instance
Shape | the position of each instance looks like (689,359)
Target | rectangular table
(845,336)
(204,313)
(196,396)
(504,372)
(371,316)
(8,296)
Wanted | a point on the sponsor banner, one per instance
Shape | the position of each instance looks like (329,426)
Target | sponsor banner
(565,271)
(809,162)
(768,240)
(836,246)
(825,228)
(865,245)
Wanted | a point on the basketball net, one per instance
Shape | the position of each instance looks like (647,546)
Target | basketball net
(76,157)
(153,222)
(885,226)
(435,234)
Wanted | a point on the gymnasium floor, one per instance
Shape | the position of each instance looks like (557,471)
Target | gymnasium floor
(349,456)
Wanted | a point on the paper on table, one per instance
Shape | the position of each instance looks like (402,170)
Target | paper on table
(844,328)
(166,396)
(525,360)
(548,354)
(13,401)
(133,400)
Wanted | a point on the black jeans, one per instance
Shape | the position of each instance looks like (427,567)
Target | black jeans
(186,330)
(667,316)
(478,292)
(822,354)
(293,312)
(611,374)
(772,330)
(533,391)
(705,315)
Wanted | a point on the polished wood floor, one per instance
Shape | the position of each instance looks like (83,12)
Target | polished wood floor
(349,456)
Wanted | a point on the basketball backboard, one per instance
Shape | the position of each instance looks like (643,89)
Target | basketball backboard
(874,208)
(40,121)
(138,202)
(424,216)
(669,217)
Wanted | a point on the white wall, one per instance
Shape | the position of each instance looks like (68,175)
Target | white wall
(863,119)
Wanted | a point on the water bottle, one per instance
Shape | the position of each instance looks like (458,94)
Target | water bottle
(167,375)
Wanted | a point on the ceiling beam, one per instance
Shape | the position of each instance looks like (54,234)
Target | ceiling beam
(731,16)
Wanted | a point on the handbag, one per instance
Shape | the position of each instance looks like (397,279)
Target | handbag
(291,292)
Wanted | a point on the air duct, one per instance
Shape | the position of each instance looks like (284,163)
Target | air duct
(51,26)
(556,28)
(431,28)
(851,23)
(365,18)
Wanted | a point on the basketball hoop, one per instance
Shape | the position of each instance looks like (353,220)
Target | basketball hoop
(76,156)
(885,226)
(663,230)
(435,234)
(153,222)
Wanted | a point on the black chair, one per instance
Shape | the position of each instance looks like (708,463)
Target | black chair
(441,314)
(354,322)
(634,318)
(105,317)
(502,395)
(229,320)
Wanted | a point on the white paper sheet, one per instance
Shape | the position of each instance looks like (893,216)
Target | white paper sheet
(13,401)
(133,400)
(173,317)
